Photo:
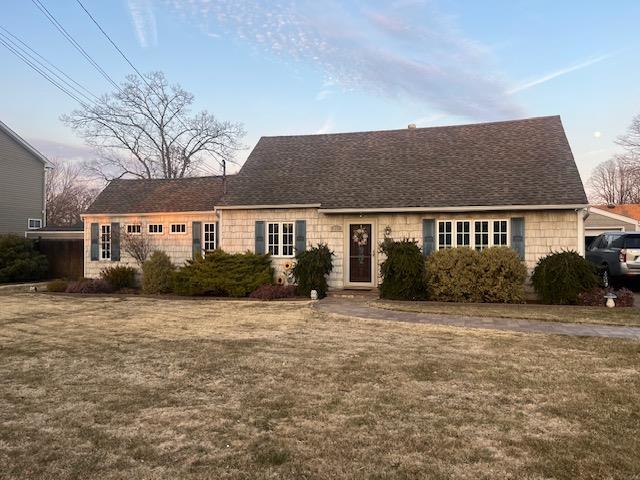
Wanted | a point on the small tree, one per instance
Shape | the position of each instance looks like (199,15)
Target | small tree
(137,246)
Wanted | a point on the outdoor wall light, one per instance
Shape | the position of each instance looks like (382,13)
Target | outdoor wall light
(387,231)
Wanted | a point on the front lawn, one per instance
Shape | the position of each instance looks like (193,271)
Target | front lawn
(550,313)
(111,388)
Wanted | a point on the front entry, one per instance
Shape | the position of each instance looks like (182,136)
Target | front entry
(360,254)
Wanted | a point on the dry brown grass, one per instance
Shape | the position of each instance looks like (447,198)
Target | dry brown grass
(549,313)
(142,388)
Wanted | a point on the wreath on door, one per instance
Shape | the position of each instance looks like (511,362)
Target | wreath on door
(360,236)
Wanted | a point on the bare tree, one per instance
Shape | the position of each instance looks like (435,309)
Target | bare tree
(146,130)
(630,141)
(67,193)
(138,246)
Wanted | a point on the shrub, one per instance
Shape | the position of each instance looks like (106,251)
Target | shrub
(272,292)
(119,277)
(402,271)
(223,274)
(20,261)
(594,297)
(57,286)
(311,270)
(452,275)
(560,277)
(89,285)
(157,273)
(501,276)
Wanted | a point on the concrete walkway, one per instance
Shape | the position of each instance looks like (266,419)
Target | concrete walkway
(358,307)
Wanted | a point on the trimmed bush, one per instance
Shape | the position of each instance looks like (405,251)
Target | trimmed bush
(453,275)
(273,292)
(89,285)
(119,277)
(501,276)
(20,261)
(311,270)
(157,273)
(223,274)
(595,297)
(57,286)
(402,271)
(560,277)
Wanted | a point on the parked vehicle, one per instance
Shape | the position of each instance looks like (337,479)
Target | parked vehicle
(616,255)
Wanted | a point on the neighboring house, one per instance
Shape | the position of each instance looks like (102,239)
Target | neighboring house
(611,218)
(22,184)
(512,184)
(177,216)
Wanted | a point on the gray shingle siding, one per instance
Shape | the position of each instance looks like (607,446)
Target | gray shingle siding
(21,186)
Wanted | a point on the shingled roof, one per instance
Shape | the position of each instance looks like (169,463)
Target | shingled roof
(158,195)
(519,162)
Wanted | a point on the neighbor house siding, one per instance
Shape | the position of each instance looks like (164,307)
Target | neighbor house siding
(545,231)
(599,222)
(177,246)
(21,186)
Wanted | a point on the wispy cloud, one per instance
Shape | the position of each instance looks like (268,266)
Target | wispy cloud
(144,22)
(402,49)
(558,73)
(327,126)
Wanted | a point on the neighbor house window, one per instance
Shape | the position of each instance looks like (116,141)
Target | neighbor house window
(463,234)
(155,228)
(209,237)
(280,239)
(34,223)
(134,229)
(178,228)
(500,233)
(445,234)
(105,242)
(481,234)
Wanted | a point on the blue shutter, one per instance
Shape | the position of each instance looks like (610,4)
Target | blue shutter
(260,238)
(517,236)
(196,239)
(428,236)
(301,236)
(115,242)
(95,233)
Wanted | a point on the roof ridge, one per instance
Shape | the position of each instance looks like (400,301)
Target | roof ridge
(517,120)
(169,179)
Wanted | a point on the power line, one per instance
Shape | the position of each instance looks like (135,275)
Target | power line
(45,64)
(52,19)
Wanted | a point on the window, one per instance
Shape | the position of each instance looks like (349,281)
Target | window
(280,239)
(105,242)
(34,223)
(134,229)
(155,228)
(463,234)
(178,228)
(500,233)
(445,237)
(209,242)
(481,235)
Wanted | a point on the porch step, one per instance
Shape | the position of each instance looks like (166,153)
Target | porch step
(367,294)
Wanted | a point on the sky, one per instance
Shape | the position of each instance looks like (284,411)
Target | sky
(284,68)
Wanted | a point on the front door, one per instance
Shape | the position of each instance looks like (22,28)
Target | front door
(360,253)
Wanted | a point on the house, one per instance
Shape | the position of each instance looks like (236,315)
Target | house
(611,218)
(22,184)
(512,183)
(177,215)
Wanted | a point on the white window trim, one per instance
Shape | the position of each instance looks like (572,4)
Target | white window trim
(29,220)
(126,228)
(472,232)
(215,236)
(280,238)
(177,233)
(155,233)
(100,242)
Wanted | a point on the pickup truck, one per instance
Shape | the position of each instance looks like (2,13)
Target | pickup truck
(616,255)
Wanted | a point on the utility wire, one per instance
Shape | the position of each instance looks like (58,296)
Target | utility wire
(73,42)
(45,64)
